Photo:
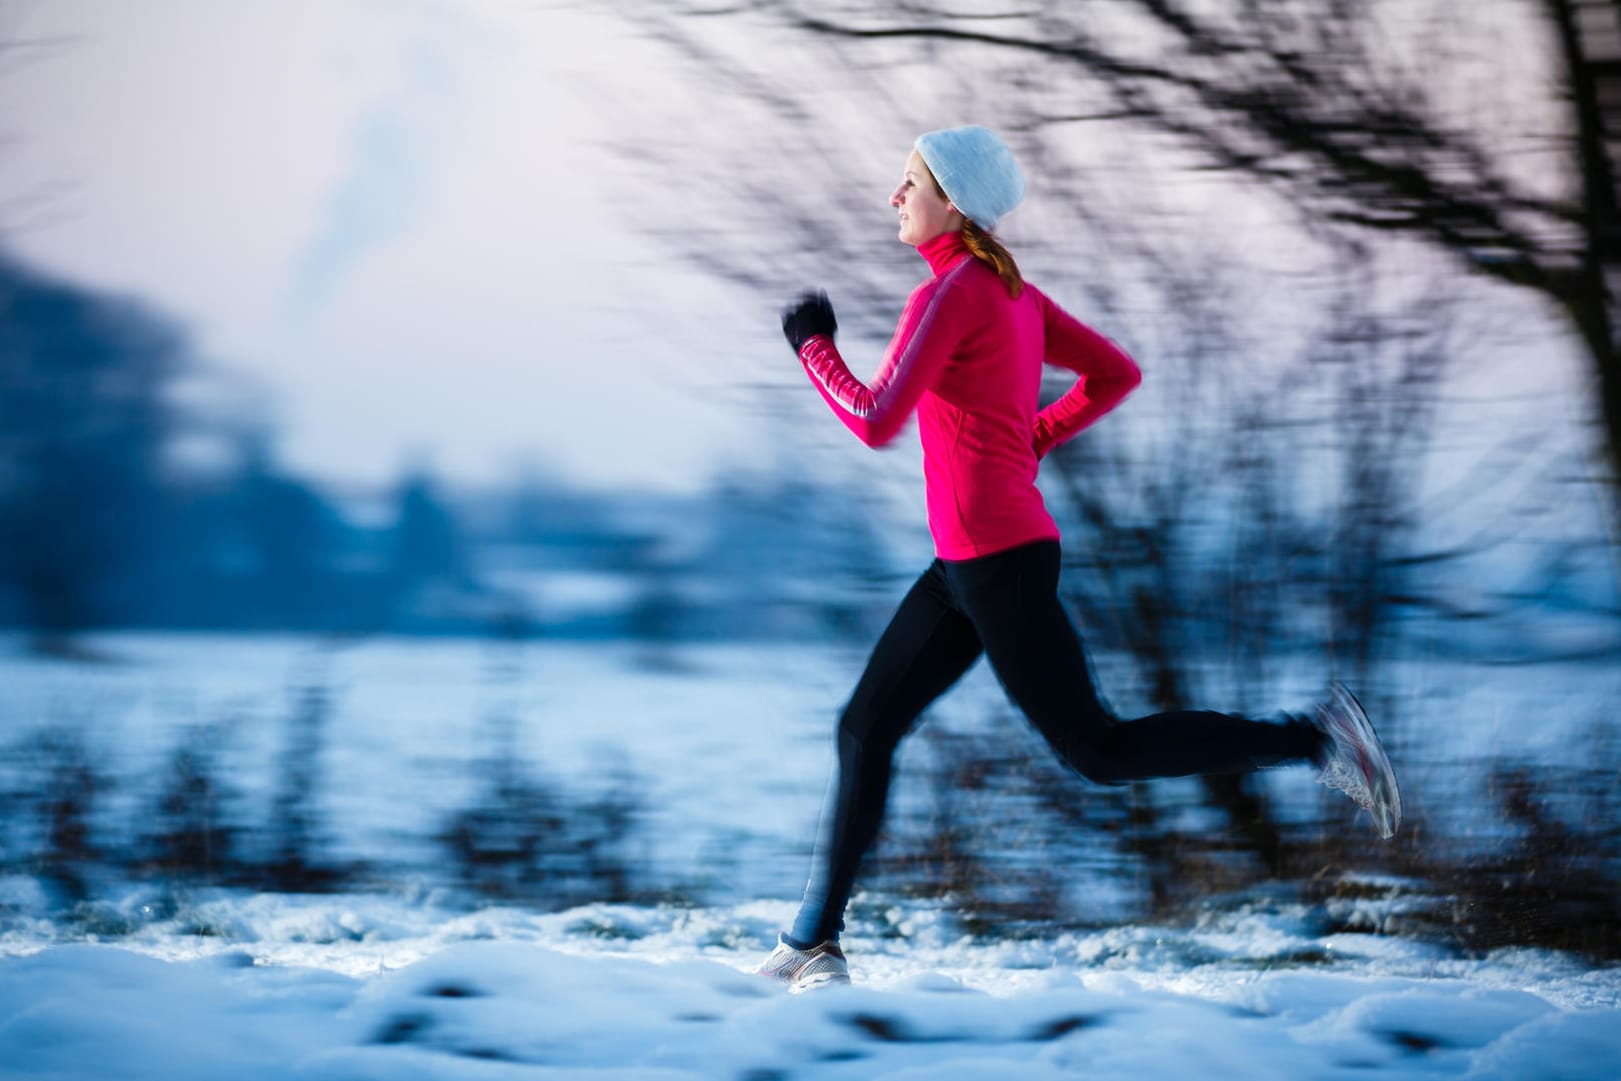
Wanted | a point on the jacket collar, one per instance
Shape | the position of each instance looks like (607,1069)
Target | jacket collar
(943,252)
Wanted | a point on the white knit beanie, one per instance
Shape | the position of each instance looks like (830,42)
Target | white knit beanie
(976,170)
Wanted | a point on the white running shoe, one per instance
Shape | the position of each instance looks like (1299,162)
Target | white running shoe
(802,970)
(1355,761)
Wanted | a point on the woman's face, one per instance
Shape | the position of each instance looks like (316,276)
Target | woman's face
(924,212)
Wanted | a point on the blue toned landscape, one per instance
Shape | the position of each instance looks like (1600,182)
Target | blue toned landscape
(429,584)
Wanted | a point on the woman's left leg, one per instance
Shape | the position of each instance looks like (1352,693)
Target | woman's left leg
(1012,599)
(927,647)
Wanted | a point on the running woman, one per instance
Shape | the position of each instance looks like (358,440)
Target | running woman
(967,359)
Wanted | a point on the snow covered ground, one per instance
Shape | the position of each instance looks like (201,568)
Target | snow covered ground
(399,987)
(416,980)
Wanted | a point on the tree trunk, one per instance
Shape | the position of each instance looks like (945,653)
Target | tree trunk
(1590,39)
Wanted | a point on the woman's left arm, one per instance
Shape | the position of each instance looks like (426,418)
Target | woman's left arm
(1107,374)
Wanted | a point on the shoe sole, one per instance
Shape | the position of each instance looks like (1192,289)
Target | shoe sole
(1378,770)
(813,983)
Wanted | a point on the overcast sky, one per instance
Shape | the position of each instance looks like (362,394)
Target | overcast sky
(396,218)
(399,223)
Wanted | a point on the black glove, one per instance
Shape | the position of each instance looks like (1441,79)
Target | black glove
(812,315)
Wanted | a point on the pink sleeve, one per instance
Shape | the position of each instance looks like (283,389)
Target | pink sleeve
(922,344)
(1107,375)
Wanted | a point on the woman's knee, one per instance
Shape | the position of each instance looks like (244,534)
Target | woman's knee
(865,731)
(853,730)
(1089,754)
(1098,771)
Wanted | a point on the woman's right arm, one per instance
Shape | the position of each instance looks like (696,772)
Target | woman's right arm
(930,330)
(1106,375)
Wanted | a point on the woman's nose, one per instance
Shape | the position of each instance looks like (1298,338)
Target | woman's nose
(895,196)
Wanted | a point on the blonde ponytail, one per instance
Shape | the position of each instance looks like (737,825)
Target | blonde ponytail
(988,250)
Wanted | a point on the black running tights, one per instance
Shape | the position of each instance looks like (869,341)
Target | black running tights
(1006,606)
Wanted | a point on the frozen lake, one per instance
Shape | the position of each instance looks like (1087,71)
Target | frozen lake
(724,750)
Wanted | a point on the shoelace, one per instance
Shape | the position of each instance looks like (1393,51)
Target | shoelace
(1336,775)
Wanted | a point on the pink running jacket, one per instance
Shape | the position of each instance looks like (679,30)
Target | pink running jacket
(968,358)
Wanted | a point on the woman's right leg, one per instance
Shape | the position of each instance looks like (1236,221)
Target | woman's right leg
(926,648)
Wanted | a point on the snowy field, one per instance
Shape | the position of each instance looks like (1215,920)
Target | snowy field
(393,988)
(412,979)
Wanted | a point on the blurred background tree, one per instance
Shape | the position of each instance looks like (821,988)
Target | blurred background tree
(83,422)
(1483,132)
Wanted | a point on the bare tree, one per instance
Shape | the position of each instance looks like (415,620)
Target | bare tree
(1429,120)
